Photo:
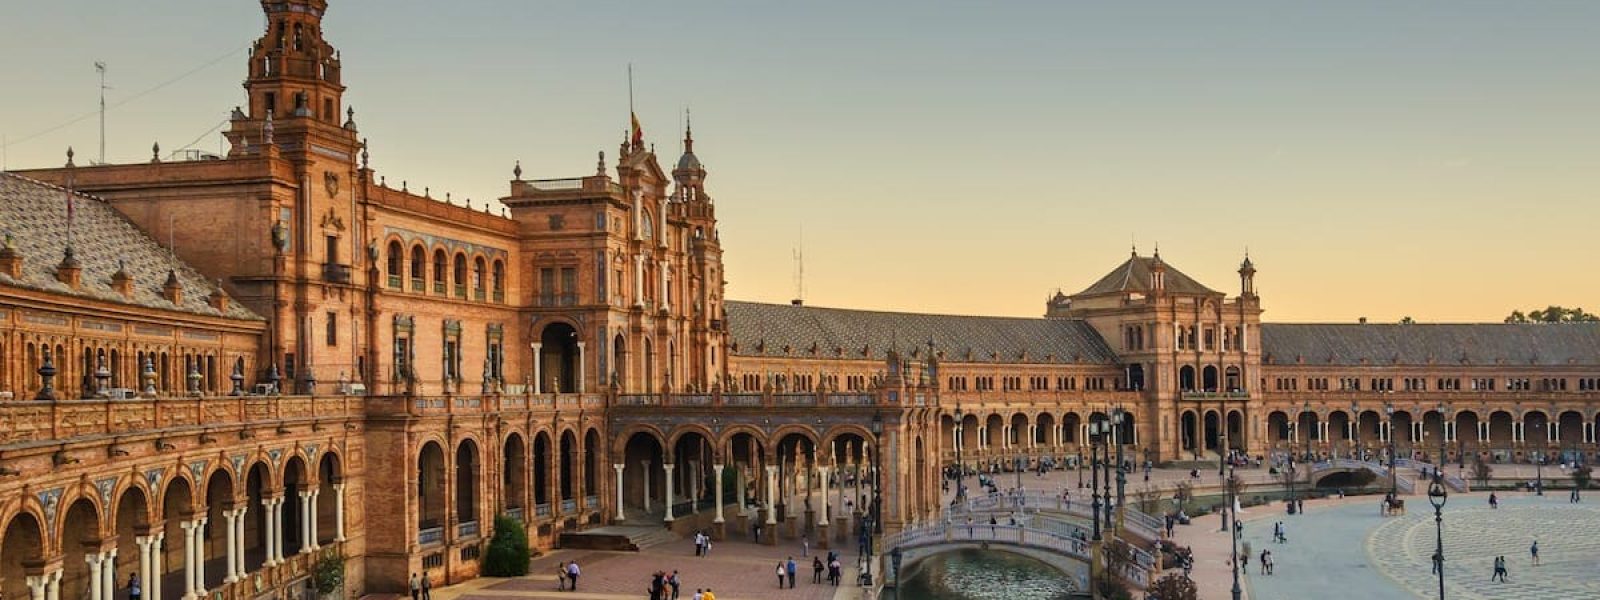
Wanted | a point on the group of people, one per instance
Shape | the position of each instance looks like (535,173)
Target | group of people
(567,576)
(421,588)
(665,587)
(702,544)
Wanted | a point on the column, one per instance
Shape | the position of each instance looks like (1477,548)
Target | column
(277,530)
(716,482)
(96,576)
(618,467)
(200,556)
(108,585)
(311,521)
(581,367)
(52,589)
(823,473)
(233,542)
(739,488)
(538,368)
(772,494)
(238,540)
(305,522)
(270,538)
(668,468)
(338,512)
(644,466)
(37,585)
(146,545)
(152,584)
(1554,430)
(188,559)
(638,274)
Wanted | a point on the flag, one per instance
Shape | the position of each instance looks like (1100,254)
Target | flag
(638,132)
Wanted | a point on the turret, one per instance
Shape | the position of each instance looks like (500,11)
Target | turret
(1247,277)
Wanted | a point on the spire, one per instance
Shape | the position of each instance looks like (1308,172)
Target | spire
(688,133)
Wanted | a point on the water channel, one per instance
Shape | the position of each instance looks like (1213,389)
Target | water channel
(982,574)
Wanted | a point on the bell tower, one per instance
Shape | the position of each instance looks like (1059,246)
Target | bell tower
(294,72)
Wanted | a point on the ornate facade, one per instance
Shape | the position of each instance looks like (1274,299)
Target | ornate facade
(215,372)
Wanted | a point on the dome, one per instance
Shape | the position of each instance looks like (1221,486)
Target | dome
(689,162)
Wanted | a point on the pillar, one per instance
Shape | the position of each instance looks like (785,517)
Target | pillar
(277,530)
(96,574)
(233,542)
(739,487)
(270,536)
(238,541)
(152,584)
(538,368)
(772,494)
(668,468)
(618,467)
(644,465)
(338,512)
(823,473)
(37,585)
(188,558)
(581,367)
(311,521)
(305,521)
(146,545)
(716,482)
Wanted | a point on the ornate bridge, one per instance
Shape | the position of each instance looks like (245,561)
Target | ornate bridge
(1065,552)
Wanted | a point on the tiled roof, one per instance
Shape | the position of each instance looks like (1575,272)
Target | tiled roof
(765,329)
(1419,344)
(34,214)
(1133,275)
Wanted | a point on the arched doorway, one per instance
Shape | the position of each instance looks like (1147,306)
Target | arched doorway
(1339,429)
(644,485)
(327,509)
(994,427)
(1278,427)
(852,462)
(214,536)
(177,507)
(1236,434)
(80,536)
(514,476)
(1136,376)
(591,465)
(255,524)
(1190,432)
(1232,379)
(1213,431)
(467,472)
(691,456)
(795,451)
(568,457)
(295,480)
(132,521)
(747,457)
(21,551)
(430,494)
(1369,432)
(558,358)
(1042,431)
(541,473)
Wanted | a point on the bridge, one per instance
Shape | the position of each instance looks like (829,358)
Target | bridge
(1322,469)
(1145,527)
(1067,553)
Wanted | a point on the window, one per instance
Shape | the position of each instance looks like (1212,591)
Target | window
(439,281)
(395,260)
(547,286)
(479,276)
(333,329)
(460,280)
(332,249)
(288,365)
(419,266)
(569,283)
(499,281)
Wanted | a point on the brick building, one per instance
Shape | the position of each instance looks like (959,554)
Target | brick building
(216,372)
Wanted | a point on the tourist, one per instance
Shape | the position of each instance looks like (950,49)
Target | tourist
(992,523)
(1534,550)
(707,550)
(699,543)
(805,546)
(1494,500)
(1438,562)
(572,575)
(816,569)
(699,594)
(835,571)
(427,586)
(780,574)
(1499,569)
(755,530)
(658,587)
(561,577)
(416,587)
(790,568)
(969,526)
(673,581)
(709,595)
(133,587)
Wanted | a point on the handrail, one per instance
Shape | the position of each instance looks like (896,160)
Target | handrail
(947,533)
(1144,525)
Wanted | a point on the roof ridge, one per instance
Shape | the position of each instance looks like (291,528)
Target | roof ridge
(894,312)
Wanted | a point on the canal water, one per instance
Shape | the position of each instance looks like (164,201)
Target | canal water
(982,574)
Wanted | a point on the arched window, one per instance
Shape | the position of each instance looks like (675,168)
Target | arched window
(499,281)
(479,276)
(419,266)
(460,280)
(396,258)
(439,280)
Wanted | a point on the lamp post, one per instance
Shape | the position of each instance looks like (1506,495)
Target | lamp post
(877,475)
(1538,470)
(1080,464)
(961,467)
(1393,483)
(1355,432)
(1233,535)
(1306,408)
(1117,418)
(1443,428)
(1094,475)
(1437,496)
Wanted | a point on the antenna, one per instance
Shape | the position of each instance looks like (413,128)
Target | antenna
(100,67)
(630,90)
(800,269)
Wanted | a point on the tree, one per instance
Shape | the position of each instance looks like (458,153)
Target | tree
(1580,477)
(1173,587)
(508,550)
(1183,491)
(327,574)
(1481,471)
(1552,314)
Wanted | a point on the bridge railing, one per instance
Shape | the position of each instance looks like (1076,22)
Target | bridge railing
(1144,525)
(1455,482)
(1137,572)
(1405,484)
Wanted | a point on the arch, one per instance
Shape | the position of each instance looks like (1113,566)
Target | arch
(296,479)
(1019,427)
(541,468)
(1500,430)
(1231,379)
(994,427)
(329,474)
(214,537)
(22,547)
(431,488)
(459,274)
(1432,431)
(558,356)
(131,519)
(1236,431)
(396,258)
(1041,432)
(499,274)
(480,274)
(619,363)
(441,270)
(1071,424)
(514,472)
(419,263)
(591,462)
(644,483)
(1339,425)
(257,490)
(467,470)
(80,536)
(1571,435)
(567,462)
(1278,426)
(969,434)
(692,453)
(1208,378)
(1213,431)
(1186,378)
(1369,431)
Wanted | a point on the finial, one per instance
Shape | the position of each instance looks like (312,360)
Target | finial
(688,132)
(383,181)
(502,211)
(69,156)
(1158,250)
(267,129)
(517,171)
(403,187)
(426,192)
(652,147)
(155,152)
(363,153)
(600,166)
(350,117)
(447,198)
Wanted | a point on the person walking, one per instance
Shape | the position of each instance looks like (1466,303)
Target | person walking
(1499,569)
(134,590)
(1534,550)
(707,550)
(673,581)
(572,574)
(805,546)
(1438,563)
(427,586)
(699,543)
(790,568)
(816,569)
(416,587)
(1494,500)
(780,574)
(699,594)
(835,571)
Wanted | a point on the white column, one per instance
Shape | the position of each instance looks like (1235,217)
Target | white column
(277,529)
(305,522)
(152,584)
(96,577)
(581,367)
(267,536)
(233,541)
(772,494)
(52,589)
(668,468)
(716,481)
(538,367)
(1033,435)
(108,585)
(1554,431)
(146,544)
(338,512)
(37,585)
(312,521)
(644,466)
(188,558)
(619,467)
(238,541)
(823,473)
(200,556)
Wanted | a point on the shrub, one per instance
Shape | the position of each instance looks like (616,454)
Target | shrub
(327,574)
(508,550)
(1173,587)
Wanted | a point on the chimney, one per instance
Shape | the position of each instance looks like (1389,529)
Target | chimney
(69,271)
(218,298)
(173,289)
(121,281)
(10,259)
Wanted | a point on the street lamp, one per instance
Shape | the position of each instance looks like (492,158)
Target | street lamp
(1436,496)
(1094,474)
(1538,470)
(1233,535)
(877,474)
(1393,483)
(961,467)
(1307,409)
(1080,464)
(1443,429)
(1355,432)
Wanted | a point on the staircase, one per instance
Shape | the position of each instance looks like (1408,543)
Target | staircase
(621,538)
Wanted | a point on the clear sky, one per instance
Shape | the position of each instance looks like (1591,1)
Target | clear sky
(1379,159)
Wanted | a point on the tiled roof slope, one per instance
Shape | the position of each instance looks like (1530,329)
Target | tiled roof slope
(799,327)
(1133,275)
(34,214)
(1420,344)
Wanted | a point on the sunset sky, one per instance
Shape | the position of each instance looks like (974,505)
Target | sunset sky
(1440,161)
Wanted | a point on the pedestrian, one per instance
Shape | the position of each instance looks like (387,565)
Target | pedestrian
(1494,501)
(790,568)
(816,569)
(1534,550)
(699,543)
(756,531)
(1438,562)
(992,523)
(134,591)
(1263,561)
(1499,569)
(699,594)
(969,526)
(561,577)
(673,581)
(707,551)
(709,595)
(427,586)
(780,574)
(572,574)
(416,587)
(658,586)
(835,571)
(805,546)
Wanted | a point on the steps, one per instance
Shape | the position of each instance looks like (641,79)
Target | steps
(619,538)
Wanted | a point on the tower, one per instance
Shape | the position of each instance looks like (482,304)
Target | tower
(293,80)
(1247,277)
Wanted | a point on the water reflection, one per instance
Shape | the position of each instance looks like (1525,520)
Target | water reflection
(984,574)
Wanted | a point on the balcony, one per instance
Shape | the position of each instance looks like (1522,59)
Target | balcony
(569,506)
(467,529)
(335,273)
(430,535)
(557,300)
(479,294)
(417,285)
(438,287)
(1198,395)
(461,291)
(515,512)
(499,297)
(542,510)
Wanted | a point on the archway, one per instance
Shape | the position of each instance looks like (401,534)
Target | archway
(1571,426)
(643,483)
(1071,423)
(132,521)
(177,507)
(1213,431)
(691,456)
(1369,432)
(558,358)
(1190,432)
(1500,431)
(430,493)
(969,436)
(1136,376)
(568,458)
(295,480)
(1041,431)
(1019,432)
(1186,378)
(541,472)
(1339,428)
(591,463)
(748,456)
(329,475)
(994,427)
(1403,442)
(1536,434)
(1232,379)
(1432,443)
(21,551)
(1236,434)
(1128,433)
(80,537)
(214,536)
(852,460)
(1209,378)
(255,524)
(1466,434)
(467,471)
(514,476)
(795,453)
(1278,426)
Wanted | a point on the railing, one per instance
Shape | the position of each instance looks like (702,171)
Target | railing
(430,535)
(795,399)
(499,296)
(515,512)
(479,294)
(1404,484)
(461,290)
(1145,526)
(1456,483)
(946,533)
(569,506)
(592,502)
(852,400)
(467,529)
(24,421)
(394,282)
(541,510)
(553,185)
(336,273)
(1198,395)
(556,300)
(438,287)
(741,400)
(417,285)
(692,400)
(638,400)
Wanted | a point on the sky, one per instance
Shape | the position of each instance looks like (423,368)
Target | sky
(1380,160)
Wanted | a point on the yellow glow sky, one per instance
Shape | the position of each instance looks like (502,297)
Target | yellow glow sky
(1436,161)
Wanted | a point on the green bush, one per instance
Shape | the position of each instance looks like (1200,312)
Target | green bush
(508,550)
(327,574)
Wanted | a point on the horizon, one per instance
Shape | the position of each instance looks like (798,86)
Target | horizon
(1377,162)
